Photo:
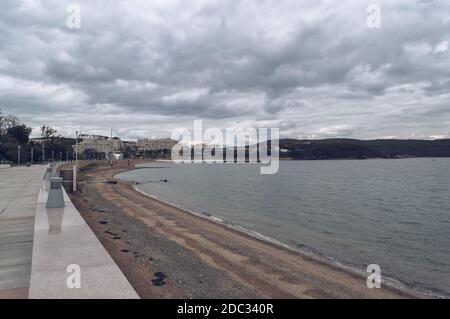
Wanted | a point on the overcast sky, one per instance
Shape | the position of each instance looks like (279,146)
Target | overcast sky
(311,68)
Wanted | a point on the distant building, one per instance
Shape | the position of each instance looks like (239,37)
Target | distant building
(129,144)
(99,144)
(38,140)
(155,144)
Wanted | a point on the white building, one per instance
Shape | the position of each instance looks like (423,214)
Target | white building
(99,144)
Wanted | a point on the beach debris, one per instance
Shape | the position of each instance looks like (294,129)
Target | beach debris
(159,281)
(103,222)
(117,237)
(125,251)
(102,182)
(150,182)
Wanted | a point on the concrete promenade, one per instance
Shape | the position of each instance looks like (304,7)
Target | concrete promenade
(63,248)
(42,249)
(19,189)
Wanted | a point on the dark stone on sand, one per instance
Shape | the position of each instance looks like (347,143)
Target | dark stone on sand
(159,281)
(103,222)
(125,251)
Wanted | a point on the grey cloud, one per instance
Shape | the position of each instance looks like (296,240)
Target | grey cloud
(310,67)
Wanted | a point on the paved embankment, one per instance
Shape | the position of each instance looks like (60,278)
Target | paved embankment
(19,189)
(63,247)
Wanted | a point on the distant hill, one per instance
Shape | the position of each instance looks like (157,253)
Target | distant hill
(360,149)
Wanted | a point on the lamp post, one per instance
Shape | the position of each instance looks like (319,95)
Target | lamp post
(75,168)
(18,155)
(31,156)
(76,149)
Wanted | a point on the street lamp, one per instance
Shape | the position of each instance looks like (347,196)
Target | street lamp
(18,155)
(76,149)
(31,156)
(75,168)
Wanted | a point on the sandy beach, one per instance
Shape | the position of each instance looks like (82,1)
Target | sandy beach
(166,252)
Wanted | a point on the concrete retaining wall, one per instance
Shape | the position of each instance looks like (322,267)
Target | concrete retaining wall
(68,260)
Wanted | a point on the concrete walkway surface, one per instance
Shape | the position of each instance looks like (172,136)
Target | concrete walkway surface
(50,253)
(66,252)
(19,189)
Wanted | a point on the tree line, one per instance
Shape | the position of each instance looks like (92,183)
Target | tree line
(16,145)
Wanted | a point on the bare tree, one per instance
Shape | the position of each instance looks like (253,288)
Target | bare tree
(48,132)
(7,121)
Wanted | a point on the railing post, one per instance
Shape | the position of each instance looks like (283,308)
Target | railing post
(74,178)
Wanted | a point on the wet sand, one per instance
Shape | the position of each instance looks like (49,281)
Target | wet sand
(166,252)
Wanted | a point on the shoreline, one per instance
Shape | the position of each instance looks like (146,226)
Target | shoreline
(392,283)
(295,273)
(307,253)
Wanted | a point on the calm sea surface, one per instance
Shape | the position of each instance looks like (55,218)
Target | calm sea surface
(394,213)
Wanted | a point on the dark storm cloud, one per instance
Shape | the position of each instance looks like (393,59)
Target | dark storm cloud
(311,68)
